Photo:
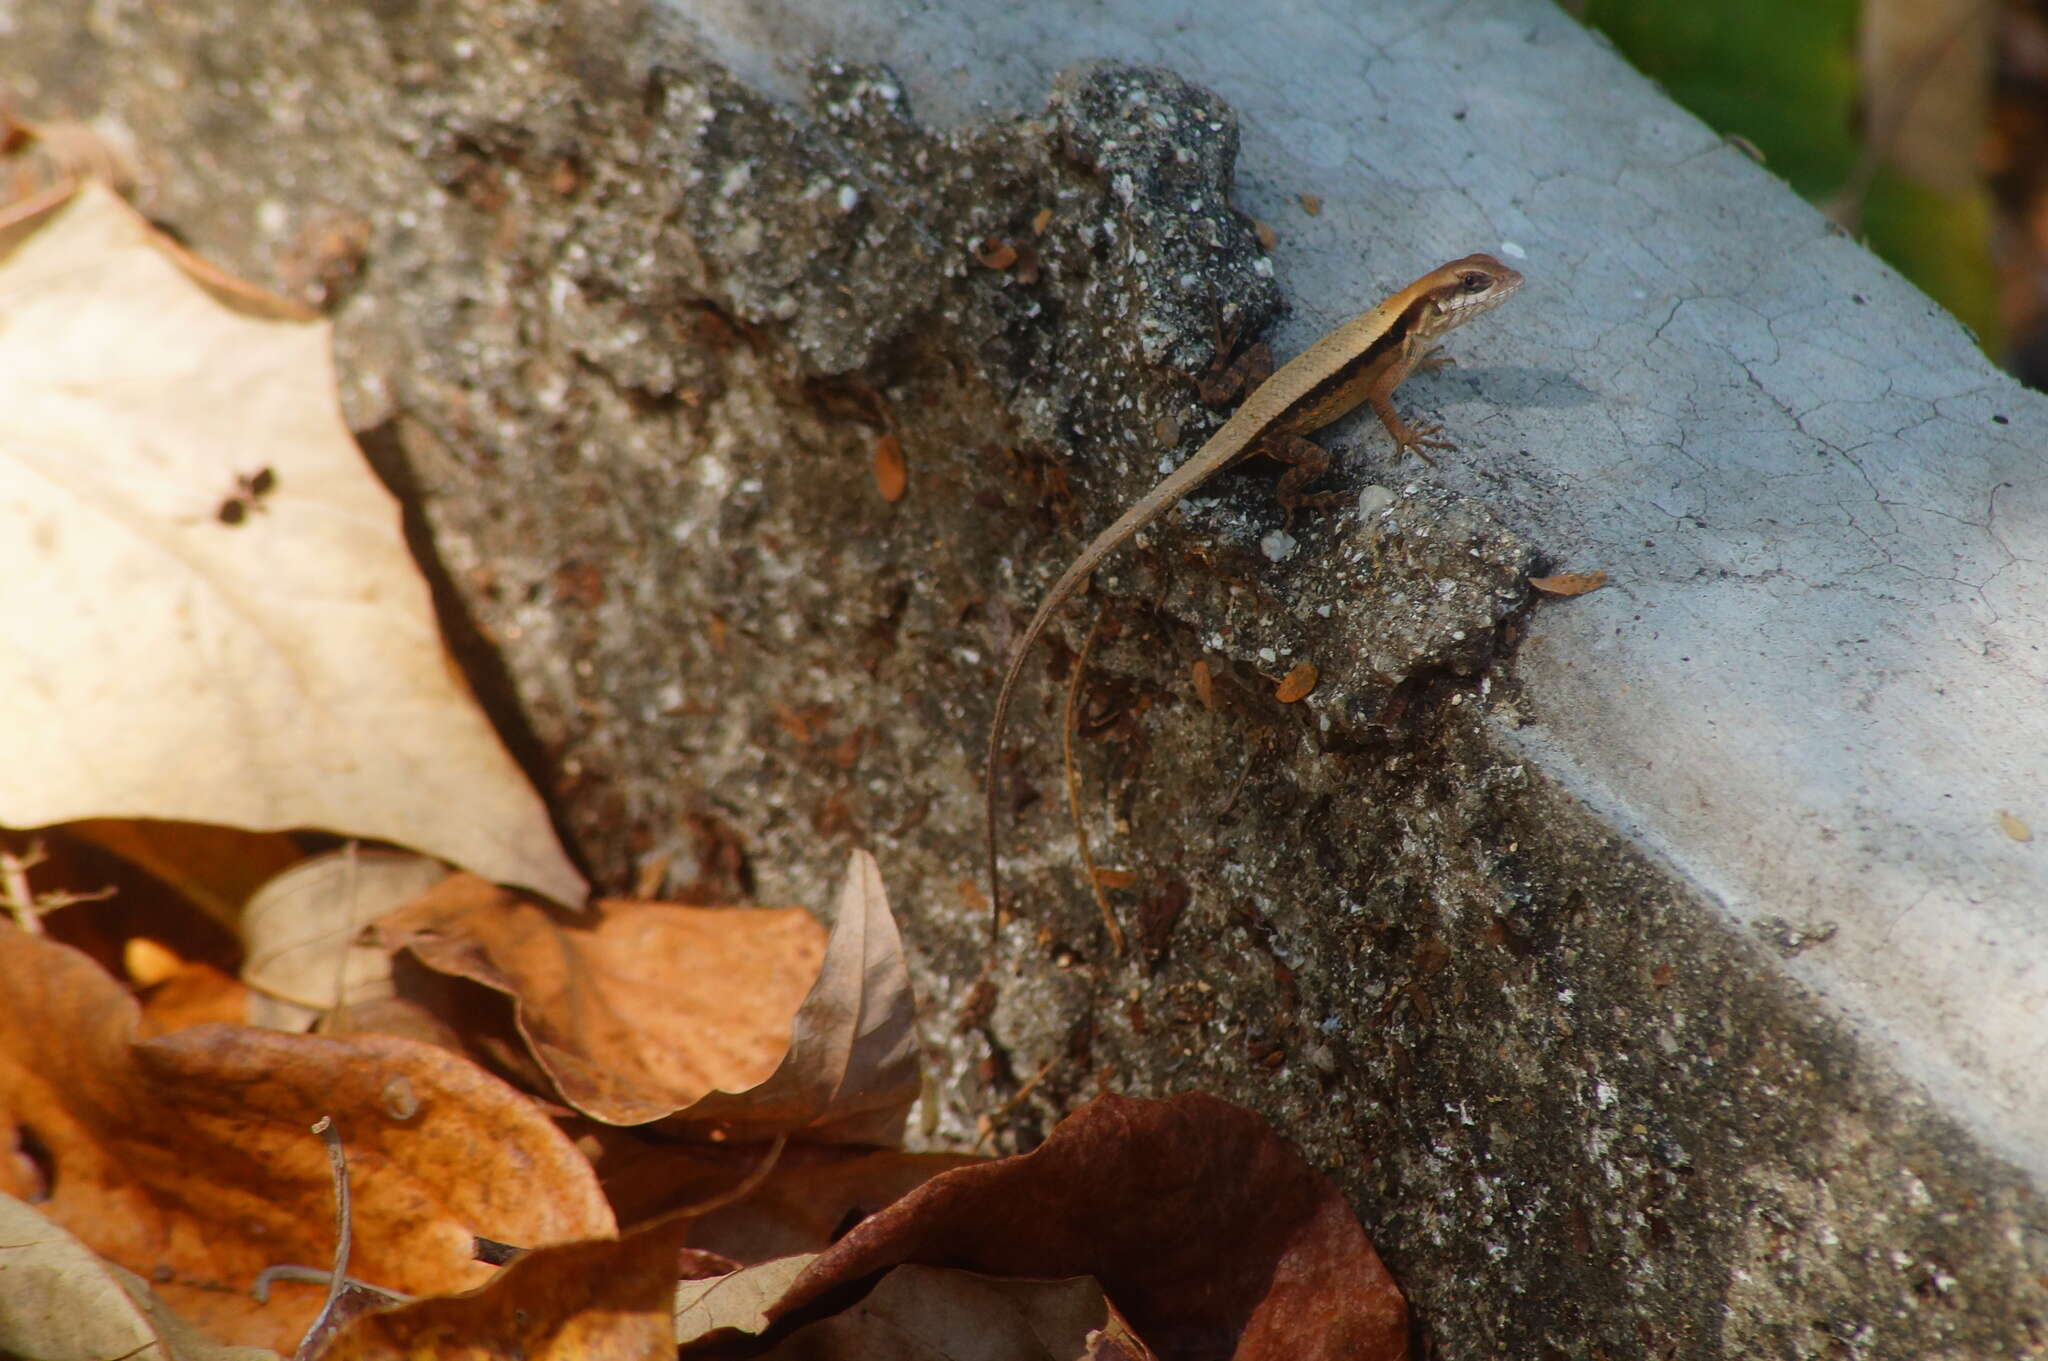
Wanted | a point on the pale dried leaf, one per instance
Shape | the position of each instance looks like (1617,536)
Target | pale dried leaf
(851,1072)
(299,933)
(285,671)
(739,1303)
(921,1313)
(60,1302)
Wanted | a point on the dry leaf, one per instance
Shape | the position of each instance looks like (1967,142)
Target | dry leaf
(892,474)
(1264,1263)
(216,869)
(807,1199)
(284,672)
(608,1300)
(2014,827)
(60,1302)
(921,1313)
(1297,683)
(690,1021)
(299,933)
(194,995)
(1570,583)
(706,1310)
(1312,205)
(643,1009)
(61,152)
(1204,682)
(188,1159)
(851,1072)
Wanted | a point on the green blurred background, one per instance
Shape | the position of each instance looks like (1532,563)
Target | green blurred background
(1788,77)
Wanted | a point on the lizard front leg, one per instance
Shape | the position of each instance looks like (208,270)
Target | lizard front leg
(1410,438)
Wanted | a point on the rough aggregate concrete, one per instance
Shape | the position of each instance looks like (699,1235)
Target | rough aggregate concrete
(625,334)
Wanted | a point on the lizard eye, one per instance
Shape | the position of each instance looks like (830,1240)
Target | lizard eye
(1474,282)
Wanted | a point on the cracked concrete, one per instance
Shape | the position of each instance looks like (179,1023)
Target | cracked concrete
(1658,971)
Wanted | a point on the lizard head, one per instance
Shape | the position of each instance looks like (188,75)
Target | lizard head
(1455,293)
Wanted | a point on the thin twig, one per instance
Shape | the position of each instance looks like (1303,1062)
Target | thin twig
(1069,722)
(1016,1100)
(338,1161)
(15,893)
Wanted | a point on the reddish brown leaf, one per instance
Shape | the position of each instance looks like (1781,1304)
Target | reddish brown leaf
(809,1197)
(608,1300)
(187,1158)
(1204,1227)
(215,868)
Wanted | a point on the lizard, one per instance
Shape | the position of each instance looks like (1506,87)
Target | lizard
(1363,360)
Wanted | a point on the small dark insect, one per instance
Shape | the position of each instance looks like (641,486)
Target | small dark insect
(250,489)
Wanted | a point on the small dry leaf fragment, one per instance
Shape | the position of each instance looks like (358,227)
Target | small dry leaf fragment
(1570,583)
(892,474)
(147,961)
(1296,684)
(2014,827)
(1040,221)
(1268,238)
(1312,205)
(1204,682)
(994,252)
(1109,878)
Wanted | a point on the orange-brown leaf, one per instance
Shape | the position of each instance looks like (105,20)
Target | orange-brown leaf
(1296,684)
(892,474)
(607,1300)
(696,1016)
(187,1158)
(634,1009)
(1570,583)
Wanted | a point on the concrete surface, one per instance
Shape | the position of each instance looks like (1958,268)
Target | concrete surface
(1654,969)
